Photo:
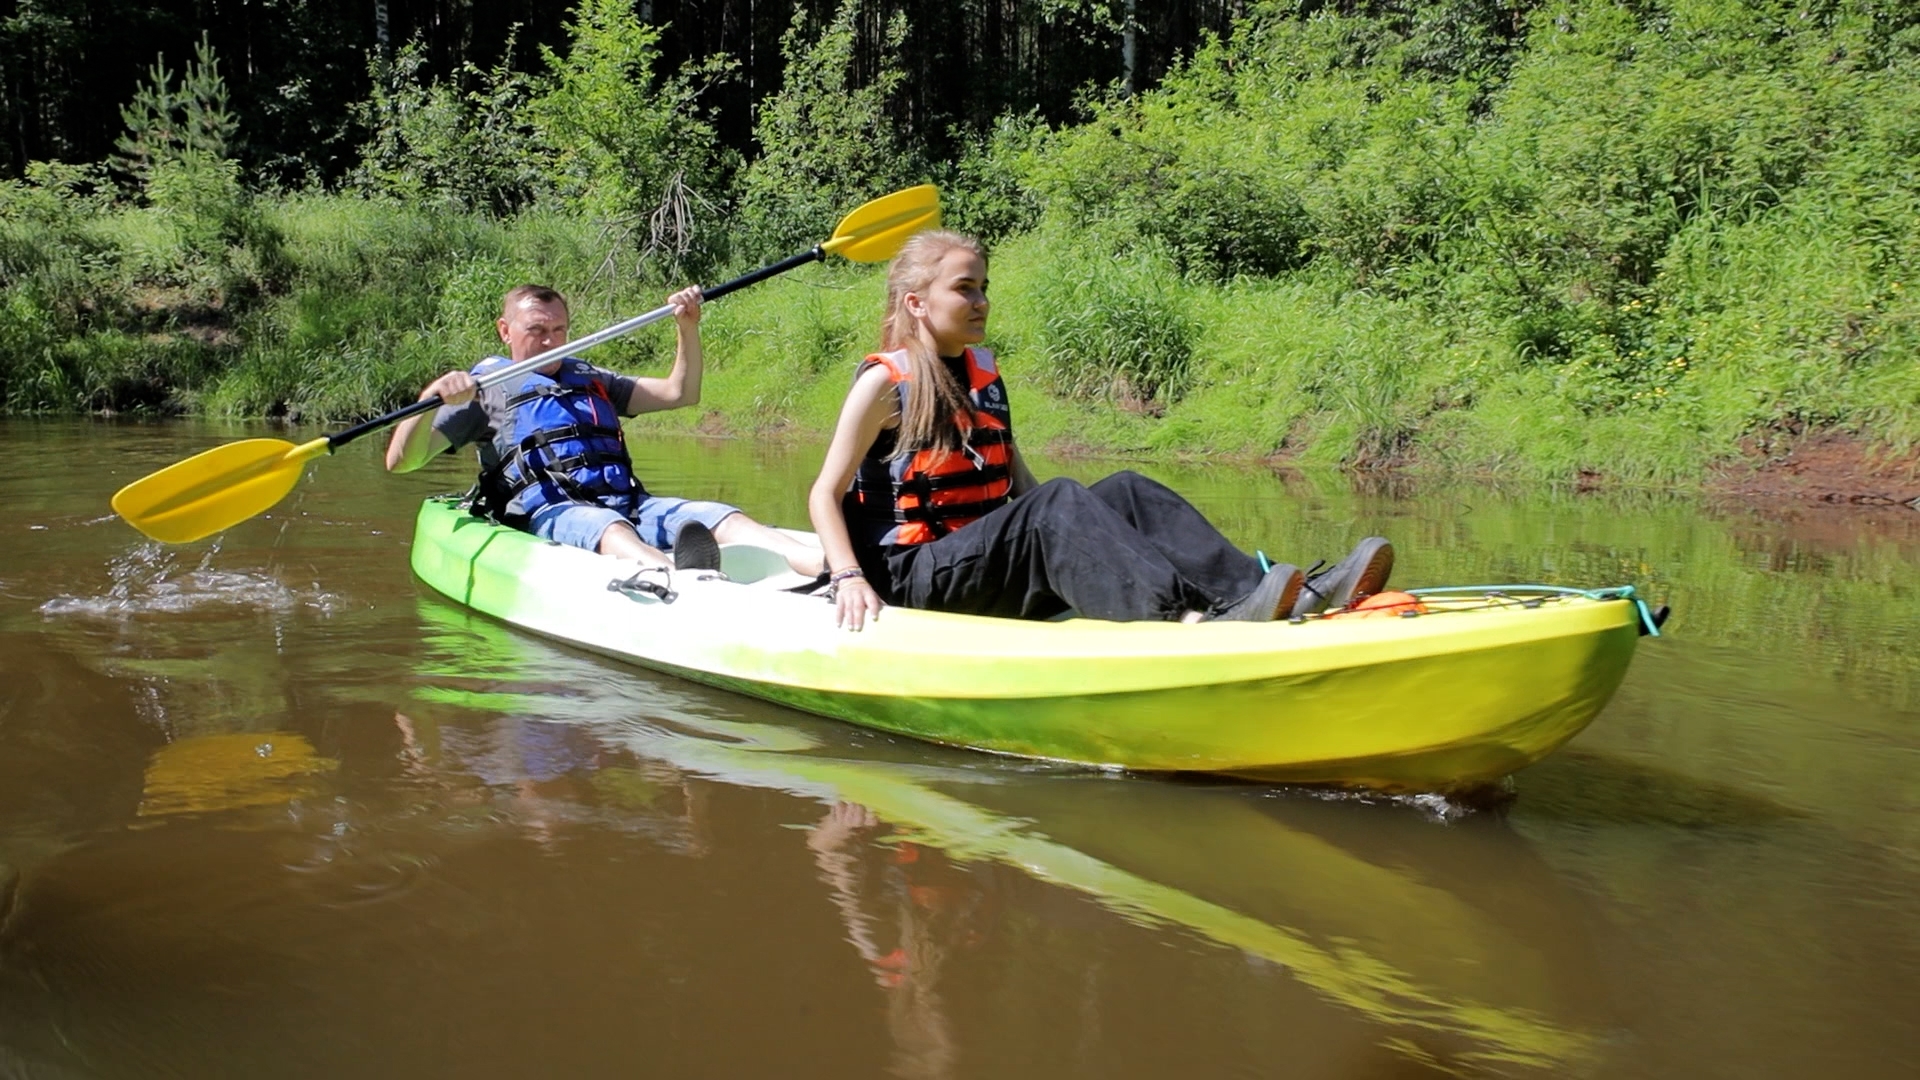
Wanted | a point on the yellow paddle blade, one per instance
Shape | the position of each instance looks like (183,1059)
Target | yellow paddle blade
(875,231)
(215,490)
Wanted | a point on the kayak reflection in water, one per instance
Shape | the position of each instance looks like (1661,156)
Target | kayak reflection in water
(553,457)
(925,501)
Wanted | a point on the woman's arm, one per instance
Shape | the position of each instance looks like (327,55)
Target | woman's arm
(869,407)
(682,384)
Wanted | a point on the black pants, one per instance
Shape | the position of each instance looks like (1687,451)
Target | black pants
(1126,548)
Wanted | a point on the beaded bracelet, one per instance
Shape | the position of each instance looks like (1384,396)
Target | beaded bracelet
(834,579)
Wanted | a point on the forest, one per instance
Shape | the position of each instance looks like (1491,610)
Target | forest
(1582,237)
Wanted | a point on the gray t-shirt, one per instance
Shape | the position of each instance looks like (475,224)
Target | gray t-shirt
(484,422)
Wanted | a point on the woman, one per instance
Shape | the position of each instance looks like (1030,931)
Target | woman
(925,501)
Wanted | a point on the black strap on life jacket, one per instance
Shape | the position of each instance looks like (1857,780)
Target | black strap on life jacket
(936,516)
(584,433)
(926,485)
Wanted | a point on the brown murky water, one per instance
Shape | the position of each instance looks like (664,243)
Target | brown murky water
(268,808)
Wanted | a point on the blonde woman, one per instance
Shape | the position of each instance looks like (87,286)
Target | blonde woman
(925,501)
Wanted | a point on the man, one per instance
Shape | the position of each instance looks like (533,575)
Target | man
(553,459)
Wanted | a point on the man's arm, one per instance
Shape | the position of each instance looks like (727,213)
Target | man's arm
(681,386)
(417,439)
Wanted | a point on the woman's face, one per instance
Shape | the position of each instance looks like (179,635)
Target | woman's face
(954,307)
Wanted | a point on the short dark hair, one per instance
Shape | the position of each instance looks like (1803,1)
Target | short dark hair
(539,294)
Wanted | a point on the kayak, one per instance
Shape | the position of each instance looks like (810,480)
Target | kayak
(1486,681)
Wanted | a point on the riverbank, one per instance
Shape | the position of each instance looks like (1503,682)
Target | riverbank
(1826,467)
(1283,374)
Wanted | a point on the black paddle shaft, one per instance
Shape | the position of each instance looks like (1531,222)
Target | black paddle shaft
(341,438)
(815,254)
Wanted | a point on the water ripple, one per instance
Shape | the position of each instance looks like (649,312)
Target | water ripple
(148,580)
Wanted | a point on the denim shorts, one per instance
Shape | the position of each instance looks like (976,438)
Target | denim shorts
(657,519)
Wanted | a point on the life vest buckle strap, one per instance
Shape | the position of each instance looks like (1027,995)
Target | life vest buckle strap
(928,484)
(938,513)
(584,433)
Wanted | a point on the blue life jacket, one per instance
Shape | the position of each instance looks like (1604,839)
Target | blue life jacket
(560,441)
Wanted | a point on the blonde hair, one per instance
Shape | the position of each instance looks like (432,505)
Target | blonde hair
(934,397)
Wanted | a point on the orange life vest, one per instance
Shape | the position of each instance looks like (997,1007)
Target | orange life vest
(924,495)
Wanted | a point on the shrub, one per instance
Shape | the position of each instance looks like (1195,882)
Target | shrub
(981,190)
(827,143)
(431,141)
(632,148)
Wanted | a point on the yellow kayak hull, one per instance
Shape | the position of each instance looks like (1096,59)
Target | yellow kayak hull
(1448,700)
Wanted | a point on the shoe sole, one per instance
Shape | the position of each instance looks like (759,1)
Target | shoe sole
(1375,557)
(1289,593)
(694,548)
(1371,578)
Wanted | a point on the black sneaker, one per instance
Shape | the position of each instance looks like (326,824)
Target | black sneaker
(1361,574)
(1271,599)
(694,548)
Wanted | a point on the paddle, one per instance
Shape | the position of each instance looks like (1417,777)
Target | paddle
(228,484)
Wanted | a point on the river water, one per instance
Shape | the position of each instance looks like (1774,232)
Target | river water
(270,808)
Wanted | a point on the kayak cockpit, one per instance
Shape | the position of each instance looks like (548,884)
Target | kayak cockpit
(751,564)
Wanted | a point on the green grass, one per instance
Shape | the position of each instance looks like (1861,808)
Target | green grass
(1784,320)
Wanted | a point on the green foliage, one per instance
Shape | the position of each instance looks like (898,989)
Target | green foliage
(178,149)
(1267,149)
(631,148)
(827,142)
(1582,236)
(431,141)
(1646,231)
(72,325)
(176,127)
(981,190)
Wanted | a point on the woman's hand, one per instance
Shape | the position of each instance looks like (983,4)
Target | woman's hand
(856,602)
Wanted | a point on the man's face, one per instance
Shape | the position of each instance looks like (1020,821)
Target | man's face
(532,327)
